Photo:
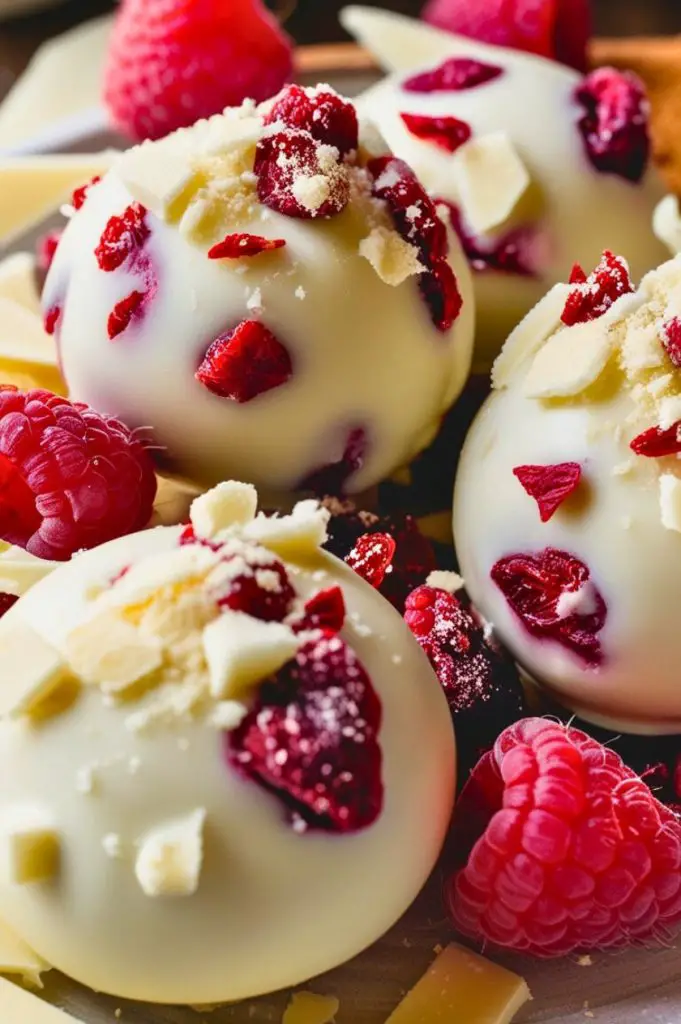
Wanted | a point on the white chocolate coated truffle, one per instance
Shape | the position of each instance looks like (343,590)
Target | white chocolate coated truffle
(366,372)
(581,395)
(523,177)
(174,877)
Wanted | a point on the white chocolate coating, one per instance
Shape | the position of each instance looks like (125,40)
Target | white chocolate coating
(272,907)
(579,211)
(365,353)
(622,522)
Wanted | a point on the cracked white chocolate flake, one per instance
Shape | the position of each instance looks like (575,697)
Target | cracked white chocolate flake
(230,503)
(490,178)
(669,413)
(30,669)
(670,501)
(570,361)
(392,257)
(158,183)
(170,857)
(146,578)
(530,334)
(109,652)
(228,714)
(242,651)
(296,536)
(31,846)
(449,581)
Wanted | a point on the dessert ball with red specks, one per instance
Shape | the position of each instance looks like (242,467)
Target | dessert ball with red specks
(244,768)
(272,292)
(536,165)
(567,505)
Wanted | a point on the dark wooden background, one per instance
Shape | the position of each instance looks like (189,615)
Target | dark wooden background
(315,21)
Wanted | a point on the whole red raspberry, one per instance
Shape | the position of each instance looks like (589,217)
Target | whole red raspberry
(564,848)
(321,112)
(173,62)
(69,478)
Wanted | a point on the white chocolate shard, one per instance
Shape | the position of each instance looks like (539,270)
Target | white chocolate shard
(157,175)
(19,571)
(667,223)
(670,501)
(310,1008)
(30,669)
(20,1007)
(18,281)
(170,857)
(296,536)
(31,846)
(570,361)
(490,178)
(392,257)
(228,715)
(230,503)
(530,334)
(17,958)
(109,652)
(242,651)
(397,42)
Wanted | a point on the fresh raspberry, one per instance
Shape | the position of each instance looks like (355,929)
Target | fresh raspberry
(670,336)
(567,848)
(550,486)
(480,680)
(333,477)
(558,29)
(123,313)
(510,253)
(122,238)
(614,125)
(46,249)
(244,363)
(172,62)
(328,117)
(656,443)
(448,133)
(371,558)
(453,75)
(69,478)
(51,319)
(324,610)
(235,247)
(591,298)
(80,194)
(6,602)
(283,163)
(555,599)
(311,739)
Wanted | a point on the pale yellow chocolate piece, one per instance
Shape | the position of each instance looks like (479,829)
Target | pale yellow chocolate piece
(109,652)
(296,536)
(230,503)
(170,857)
(18,281)
(16,957)
(462,988)
(310,1008)
(20,1007)
(32,850)
(30,669)
(241,651)
(570,361)
(393,258)
(27,354)
(19,571)
(491,179)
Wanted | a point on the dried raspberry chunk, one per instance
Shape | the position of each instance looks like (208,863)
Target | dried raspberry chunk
(311,739)
(122,237)
(670,337)
(448,133)
(323,113)
(440,291)
(656,443)
(51,319)
(46,249)
(550,486)
(257,584)
(80,194)
(615,122)
(453,75)
(299,177)
(234,247)
(324,610)
(333,478)
(594,296)
(123,313)
(513,252)
(6,602)
(371,558)
(554,597)
(244,363)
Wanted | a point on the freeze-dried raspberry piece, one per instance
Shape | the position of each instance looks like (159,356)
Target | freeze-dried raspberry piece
(448,133)
(321,112)
(324,610)
(80,194)
(593,297)
(311,739)
(440,291)
(371,558)
(122,237)
(411,208)
(513,252)
(577,275)
(256,583)
(453,75)
(46,249)
(244,363)
(299,177)
(123,313)
(615,122)
(656,443)
(550,486)
(333,478)
(554,597)
(51,319)
(670,336)
(236,246)
(6,602)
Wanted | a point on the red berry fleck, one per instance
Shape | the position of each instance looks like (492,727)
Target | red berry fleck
(324,610)
(244,363)
(324,114)
(453,75)
(46,249)
(615,122)
(282,163)
(371,558)
(256,584)
(333,477)
(511,253)
(311,739)
(553,596)
(122,237)
(80,194)
(448,133)
(69,478)
(51,319)
(671,340)
(6,602)
(234,247)
(590,299)
(656,443)
(566,847)
(123,313)
(577,275)
(550,486)
(440,291)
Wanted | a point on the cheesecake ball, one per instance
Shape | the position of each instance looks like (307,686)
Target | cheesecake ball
(567,505)
(226,763)
(536,165)
(275,300)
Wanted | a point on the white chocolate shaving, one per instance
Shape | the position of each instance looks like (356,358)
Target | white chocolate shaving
(242,651)
(490,178)
(170,857)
